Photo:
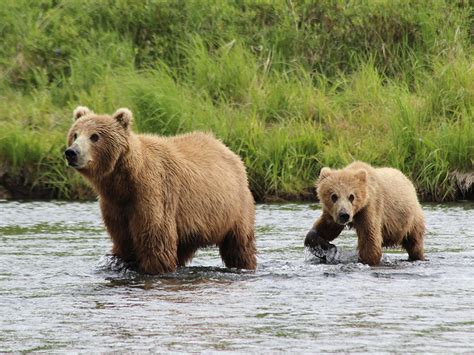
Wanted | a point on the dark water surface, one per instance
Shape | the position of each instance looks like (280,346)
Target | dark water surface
(59,291)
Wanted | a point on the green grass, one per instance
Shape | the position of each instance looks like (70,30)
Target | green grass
(290,86)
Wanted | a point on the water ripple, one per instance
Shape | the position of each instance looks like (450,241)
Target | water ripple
(60,290)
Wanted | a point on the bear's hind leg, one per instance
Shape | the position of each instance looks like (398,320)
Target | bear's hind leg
(238,250)
(413,242)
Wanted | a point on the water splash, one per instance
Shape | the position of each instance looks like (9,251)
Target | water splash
(333,255)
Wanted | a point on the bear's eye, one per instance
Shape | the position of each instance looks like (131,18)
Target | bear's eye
(333,197)
(94,138)
(74,137)
(351,198)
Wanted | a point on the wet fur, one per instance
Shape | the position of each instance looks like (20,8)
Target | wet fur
(385,211)
(162,198)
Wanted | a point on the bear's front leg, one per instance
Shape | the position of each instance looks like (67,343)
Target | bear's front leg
(369,241)
(156,248)
(119,231)
(324,230)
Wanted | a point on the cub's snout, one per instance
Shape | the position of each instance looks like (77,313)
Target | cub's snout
(343,218)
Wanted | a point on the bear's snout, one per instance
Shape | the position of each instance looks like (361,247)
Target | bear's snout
(343,217)
(71,156)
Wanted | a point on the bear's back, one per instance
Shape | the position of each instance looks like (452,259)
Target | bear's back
(196,150)
(209,180)
(395,185)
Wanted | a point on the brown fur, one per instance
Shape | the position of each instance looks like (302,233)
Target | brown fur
(384,211)
(162,198)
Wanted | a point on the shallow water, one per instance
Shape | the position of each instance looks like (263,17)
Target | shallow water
(60,291)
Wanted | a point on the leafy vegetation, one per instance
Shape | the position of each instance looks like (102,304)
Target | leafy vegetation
(291,86)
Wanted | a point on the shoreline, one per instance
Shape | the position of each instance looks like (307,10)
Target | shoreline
(463,182)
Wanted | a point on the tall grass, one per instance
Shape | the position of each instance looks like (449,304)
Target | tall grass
(290,86)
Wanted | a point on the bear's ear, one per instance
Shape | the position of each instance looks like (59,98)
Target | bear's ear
(123,116)
(361,174)
(324,173)
(80,111)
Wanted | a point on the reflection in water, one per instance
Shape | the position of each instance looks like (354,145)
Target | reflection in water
(61,291)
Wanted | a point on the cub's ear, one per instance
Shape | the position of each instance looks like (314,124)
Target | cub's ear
(80,111)
(123,116)
(361,174)
(324,173)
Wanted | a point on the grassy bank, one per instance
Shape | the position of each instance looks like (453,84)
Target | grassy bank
(289,86)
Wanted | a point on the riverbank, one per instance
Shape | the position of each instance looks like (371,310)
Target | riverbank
(289,87)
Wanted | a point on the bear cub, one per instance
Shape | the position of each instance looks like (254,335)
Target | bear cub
(380,203)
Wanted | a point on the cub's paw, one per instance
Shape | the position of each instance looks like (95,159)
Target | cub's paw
(320,247)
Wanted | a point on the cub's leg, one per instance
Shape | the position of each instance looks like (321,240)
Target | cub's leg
(413,242)
(369,240)
(324,230)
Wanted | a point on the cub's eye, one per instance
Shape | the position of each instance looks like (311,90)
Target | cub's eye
(94,138)
(74,136)
(334,197)
(351,197)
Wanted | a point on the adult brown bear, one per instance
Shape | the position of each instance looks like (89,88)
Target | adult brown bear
(162,198)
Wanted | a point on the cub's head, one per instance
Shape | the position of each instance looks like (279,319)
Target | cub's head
(96,142)
(342,193)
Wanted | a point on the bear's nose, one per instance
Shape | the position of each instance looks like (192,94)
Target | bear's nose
(70,153)
(343,217)
(71,156)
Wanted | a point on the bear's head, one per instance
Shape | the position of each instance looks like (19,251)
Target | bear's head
(96,142)
(342,193)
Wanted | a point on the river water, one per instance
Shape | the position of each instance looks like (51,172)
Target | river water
(61,291)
